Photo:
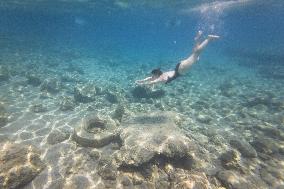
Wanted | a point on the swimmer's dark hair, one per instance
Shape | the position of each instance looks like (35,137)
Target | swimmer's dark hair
(157,72)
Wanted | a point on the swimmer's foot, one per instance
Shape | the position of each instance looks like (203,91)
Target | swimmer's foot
(212,37)
(198,35)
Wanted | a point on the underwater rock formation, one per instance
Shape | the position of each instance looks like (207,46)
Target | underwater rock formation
(111,97)
(233,180)
(67,104)
(96,132)
(231,160)
(144,92)
(228,88)
(85,93)
(266,99)
(119,112)
(244,147)
(77,182)
(204,118)
(192,180)
(266,145)
(145,141)
(107,169)
(51,85)
(56,136)
(38,108)
(19,164)
(33,79)
(75,68)
(3,115)
(70,77)
(4,73)
(273,173)
(150,136)
(272,132)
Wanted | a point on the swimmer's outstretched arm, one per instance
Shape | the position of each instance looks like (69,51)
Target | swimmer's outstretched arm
(154,82)
(150,82)
(143,80)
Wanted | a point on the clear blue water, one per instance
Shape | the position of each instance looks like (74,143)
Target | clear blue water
(234,92)
(154,32)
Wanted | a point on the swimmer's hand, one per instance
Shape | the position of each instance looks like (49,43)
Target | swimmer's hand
(139,82)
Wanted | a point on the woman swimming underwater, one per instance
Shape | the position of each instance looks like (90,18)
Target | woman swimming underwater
(181,68)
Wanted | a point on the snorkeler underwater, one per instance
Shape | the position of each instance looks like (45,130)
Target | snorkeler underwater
(77,113)
(158,76)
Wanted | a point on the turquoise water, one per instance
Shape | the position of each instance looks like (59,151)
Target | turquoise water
(67,88)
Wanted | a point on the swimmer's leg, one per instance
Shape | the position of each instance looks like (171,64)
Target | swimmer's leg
(197,37)
(187,63)
(202,45)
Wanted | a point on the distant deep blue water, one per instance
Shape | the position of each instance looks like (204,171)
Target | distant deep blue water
(150,33)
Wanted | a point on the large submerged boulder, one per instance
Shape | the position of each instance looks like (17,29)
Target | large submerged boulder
(142,139)
(19,164)
(147,137)
(145,150)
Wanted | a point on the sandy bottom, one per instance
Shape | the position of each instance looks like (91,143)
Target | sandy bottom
(216,102)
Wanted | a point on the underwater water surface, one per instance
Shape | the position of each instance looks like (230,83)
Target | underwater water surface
(73,116)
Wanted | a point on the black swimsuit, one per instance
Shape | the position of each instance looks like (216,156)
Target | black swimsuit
(176,74)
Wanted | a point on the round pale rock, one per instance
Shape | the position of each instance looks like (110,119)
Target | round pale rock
(96,132)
